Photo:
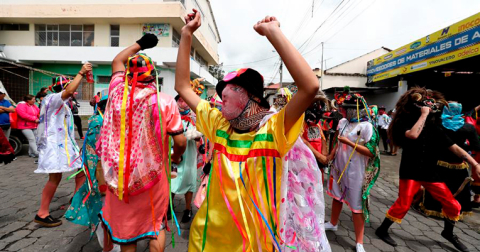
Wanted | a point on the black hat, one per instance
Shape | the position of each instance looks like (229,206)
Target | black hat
(247,78)
(346,99)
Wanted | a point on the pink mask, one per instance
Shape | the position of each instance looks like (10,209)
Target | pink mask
(182,105)
(234,99)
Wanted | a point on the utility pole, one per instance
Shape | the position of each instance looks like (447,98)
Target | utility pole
(321,75)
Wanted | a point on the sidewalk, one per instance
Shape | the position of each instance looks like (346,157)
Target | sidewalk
(20,191)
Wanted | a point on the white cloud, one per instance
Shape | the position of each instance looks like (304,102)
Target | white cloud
(388,23)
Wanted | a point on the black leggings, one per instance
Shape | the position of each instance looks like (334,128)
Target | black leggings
(78,122)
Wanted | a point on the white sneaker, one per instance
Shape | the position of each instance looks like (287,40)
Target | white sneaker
(329,226)
(360,248)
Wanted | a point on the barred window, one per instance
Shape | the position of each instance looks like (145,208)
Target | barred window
(114,35)
(64,35)
(14,27)
(213,33)
(175,38)
(200,60)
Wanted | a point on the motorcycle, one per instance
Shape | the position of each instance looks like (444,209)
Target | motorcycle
(17,140)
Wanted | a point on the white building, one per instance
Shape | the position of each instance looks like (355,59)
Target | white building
(58,35)
(353,73)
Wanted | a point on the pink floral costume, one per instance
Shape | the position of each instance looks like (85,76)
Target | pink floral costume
(142,212)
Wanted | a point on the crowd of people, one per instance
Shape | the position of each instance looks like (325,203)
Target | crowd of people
(264,166)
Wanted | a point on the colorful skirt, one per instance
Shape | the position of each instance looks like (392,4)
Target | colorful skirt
(142,218)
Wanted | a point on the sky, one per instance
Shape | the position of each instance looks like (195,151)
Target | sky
(348,28)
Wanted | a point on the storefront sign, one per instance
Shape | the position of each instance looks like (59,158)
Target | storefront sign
(160,30)
(452,43)
(443,59)
(444,33)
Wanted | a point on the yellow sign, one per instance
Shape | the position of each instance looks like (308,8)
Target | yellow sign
(450,57)
(448,31)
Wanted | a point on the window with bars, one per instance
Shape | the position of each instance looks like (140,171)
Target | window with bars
(213,33)
(14,27)
(175,38)
(64,35)
(200,60)
(114,35)
(199,9)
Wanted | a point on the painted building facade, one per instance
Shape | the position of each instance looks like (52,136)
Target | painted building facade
(58,35)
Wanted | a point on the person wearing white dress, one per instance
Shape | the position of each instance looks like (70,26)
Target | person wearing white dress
(58,151)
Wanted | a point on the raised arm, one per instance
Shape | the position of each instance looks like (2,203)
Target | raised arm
(70,89)
(147,41)
(182,72)
(301,72)
(418,127)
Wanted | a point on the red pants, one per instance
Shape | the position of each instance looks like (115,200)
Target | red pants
(406,191)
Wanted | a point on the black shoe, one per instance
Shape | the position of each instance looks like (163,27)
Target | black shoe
(36,161)
(187,216)
(386,237)
(455,241)
(48,221)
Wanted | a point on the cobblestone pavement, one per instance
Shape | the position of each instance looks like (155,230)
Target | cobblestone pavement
(20,191)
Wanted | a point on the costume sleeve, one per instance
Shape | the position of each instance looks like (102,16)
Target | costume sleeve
(174,120)
(55,101)
(341,125)
(286,140)
(372,143)
(208,120)
(472,137)
(441,138)
(117,78)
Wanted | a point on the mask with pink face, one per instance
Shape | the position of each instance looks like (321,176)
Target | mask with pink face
(235,99)
(182,105)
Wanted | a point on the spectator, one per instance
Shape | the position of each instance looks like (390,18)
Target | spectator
(28,118)
(95,100)
(5,108)
(382,124)
(76,118)
(39,98)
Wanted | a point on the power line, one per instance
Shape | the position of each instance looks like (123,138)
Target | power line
(332,23)
(255,61)
(318,28)
(351,20)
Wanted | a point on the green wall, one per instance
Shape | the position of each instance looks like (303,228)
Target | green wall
(40,80)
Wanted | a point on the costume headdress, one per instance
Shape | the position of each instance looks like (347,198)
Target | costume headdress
(428,100)
(141,68)
(197,87)
(59,83)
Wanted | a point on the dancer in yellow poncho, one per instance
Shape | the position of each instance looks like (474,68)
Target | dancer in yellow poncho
(241,211)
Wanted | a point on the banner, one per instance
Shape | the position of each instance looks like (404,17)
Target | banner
(460,40)
(160,30)
(450,57)
(446,32)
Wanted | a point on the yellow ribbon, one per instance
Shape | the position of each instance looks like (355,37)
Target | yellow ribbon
(122,140)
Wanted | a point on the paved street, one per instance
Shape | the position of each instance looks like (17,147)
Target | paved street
(20,191)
